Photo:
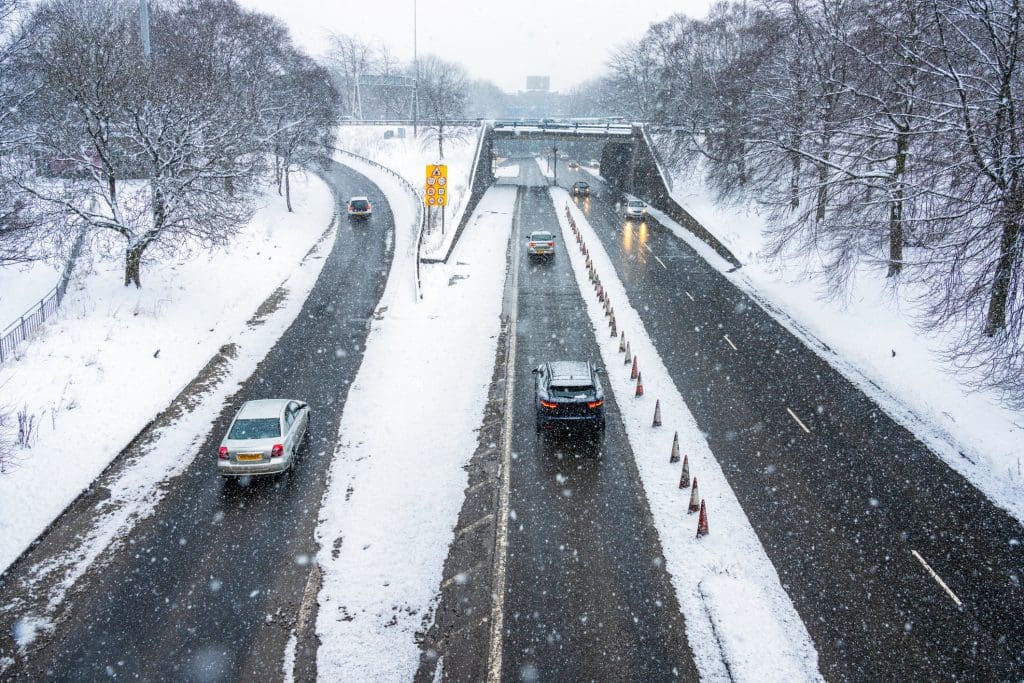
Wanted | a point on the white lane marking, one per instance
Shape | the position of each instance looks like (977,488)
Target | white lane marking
(802,425)
(938,579)
(659,260)
(475,525)
(501,527)
(690,295)
(730,343)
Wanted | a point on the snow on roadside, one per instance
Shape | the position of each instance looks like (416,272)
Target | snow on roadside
(872,342)
(23,286)
(510,171)
(407,432)
(132,351)
(740,622)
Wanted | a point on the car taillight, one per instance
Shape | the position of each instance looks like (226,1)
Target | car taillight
(549,405)
(223,453)
(533,244)
(369,207)
(551,244)
(595,404)
(277,451)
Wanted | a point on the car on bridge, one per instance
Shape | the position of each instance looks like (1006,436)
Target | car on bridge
(359,207)
(540,243)
(568,394)
(580,189)
(264,438)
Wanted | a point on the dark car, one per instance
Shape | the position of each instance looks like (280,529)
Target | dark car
(568,394)
(359,207)
(580,189)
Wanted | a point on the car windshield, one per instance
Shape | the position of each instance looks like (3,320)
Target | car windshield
(261,428)
(636,204)
(360,204)
(570,390)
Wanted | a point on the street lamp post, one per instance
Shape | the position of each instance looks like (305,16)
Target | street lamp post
(554,164)
(416,76)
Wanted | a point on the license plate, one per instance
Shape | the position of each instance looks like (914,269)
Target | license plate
(243,457)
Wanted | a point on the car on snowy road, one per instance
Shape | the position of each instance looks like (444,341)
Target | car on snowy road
(540,243)
(359,207)
(580,189)
(568,394)
(264,438)
(634,208)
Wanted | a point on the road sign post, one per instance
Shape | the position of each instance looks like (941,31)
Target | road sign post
(435,192)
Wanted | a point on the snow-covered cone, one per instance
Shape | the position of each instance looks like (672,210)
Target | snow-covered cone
(622,340)
(657,414)
(684,478)
(675,451)
(629,354)
(694,497)
(636,369)
(702,523)
(615,331)
(639,385)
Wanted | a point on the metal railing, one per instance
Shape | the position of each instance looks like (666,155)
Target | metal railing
(412,190)
(18,331)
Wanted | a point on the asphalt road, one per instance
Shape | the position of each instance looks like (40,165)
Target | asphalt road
(206,589)
(587,596)
(850,508)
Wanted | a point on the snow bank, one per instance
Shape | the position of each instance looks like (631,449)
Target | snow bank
(23,286)
(394,493)
(740,622)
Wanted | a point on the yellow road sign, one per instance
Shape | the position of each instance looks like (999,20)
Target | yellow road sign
(436,188)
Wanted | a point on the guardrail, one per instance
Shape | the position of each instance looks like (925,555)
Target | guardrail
(408,122)
(19,330)
(412,190)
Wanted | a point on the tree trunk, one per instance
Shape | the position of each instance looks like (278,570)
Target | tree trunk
(288,187)
(794,181)
(1006,267)
(822,201)
(896,236)
(133,265)
(440,140)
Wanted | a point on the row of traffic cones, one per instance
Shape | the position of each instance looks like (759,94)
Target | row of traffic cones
(696,504)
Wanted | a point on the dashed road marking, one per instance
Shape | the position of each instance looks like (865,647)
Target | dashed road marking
(938,579)
(802,425)
(659,260)
(690,295)
(475,525)
(734,346)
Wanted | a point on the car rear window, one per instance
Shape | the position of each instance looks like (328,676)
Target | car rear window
(636,204)
(540,237)
(570,390)
(262,428)
(360,205)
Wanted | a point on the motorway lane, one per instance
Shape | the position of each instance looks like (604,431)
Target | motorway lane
(587,596)
(208,587)
(841,509)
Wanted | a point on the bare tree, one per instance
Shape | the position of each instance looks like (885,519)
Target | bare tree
(443,91)
(350,60)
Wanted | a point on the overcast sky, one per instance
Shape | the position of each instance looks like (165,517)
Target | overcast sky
(502,41)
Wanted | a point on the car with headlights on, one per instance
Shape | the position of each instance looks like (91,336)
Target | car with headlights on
(540,243)
(264,438)
(359,207)
(634,208)
(568,394)
(580,189)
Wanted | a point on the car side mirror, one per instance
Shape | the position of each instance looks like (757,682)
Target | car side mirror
(302,404)
(535,370)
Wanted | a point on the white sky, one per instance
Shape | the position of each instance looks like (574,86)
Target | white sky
(503,41)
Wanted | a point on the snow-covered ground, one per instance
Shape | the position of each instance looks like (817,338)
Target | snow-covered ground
(22,286)
(120,352)
(409,156)
(737,612)
(398,478)
(875,344)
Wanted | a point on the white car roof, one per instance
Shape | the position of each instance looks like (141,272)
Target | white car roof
(262,408)
(358,199)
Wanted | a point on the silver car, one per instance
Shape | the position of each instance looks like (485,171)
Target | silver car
(540,243)
(634,208)
(264,437)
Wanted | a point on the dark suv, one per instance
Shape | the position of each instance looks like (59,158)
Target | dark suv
(568,394)
(580,189)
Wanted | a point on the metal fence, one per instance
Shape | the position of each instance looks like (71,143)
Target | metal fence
(19,330)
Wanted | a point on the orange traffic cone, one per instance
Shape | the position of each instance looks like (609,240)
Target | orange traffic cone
(636,369)
(622,340)
(684,478)
(702,523)
(611,322)
(674,457)
(614,332)
(694,497)
(657,414)
(628,354)
(639,385)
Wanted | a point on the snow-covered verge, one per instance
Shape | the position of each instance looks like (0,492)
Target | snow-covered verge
(408,430)
(875,345)
(740,622)
(22,286)
(120,352)
(409,156)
